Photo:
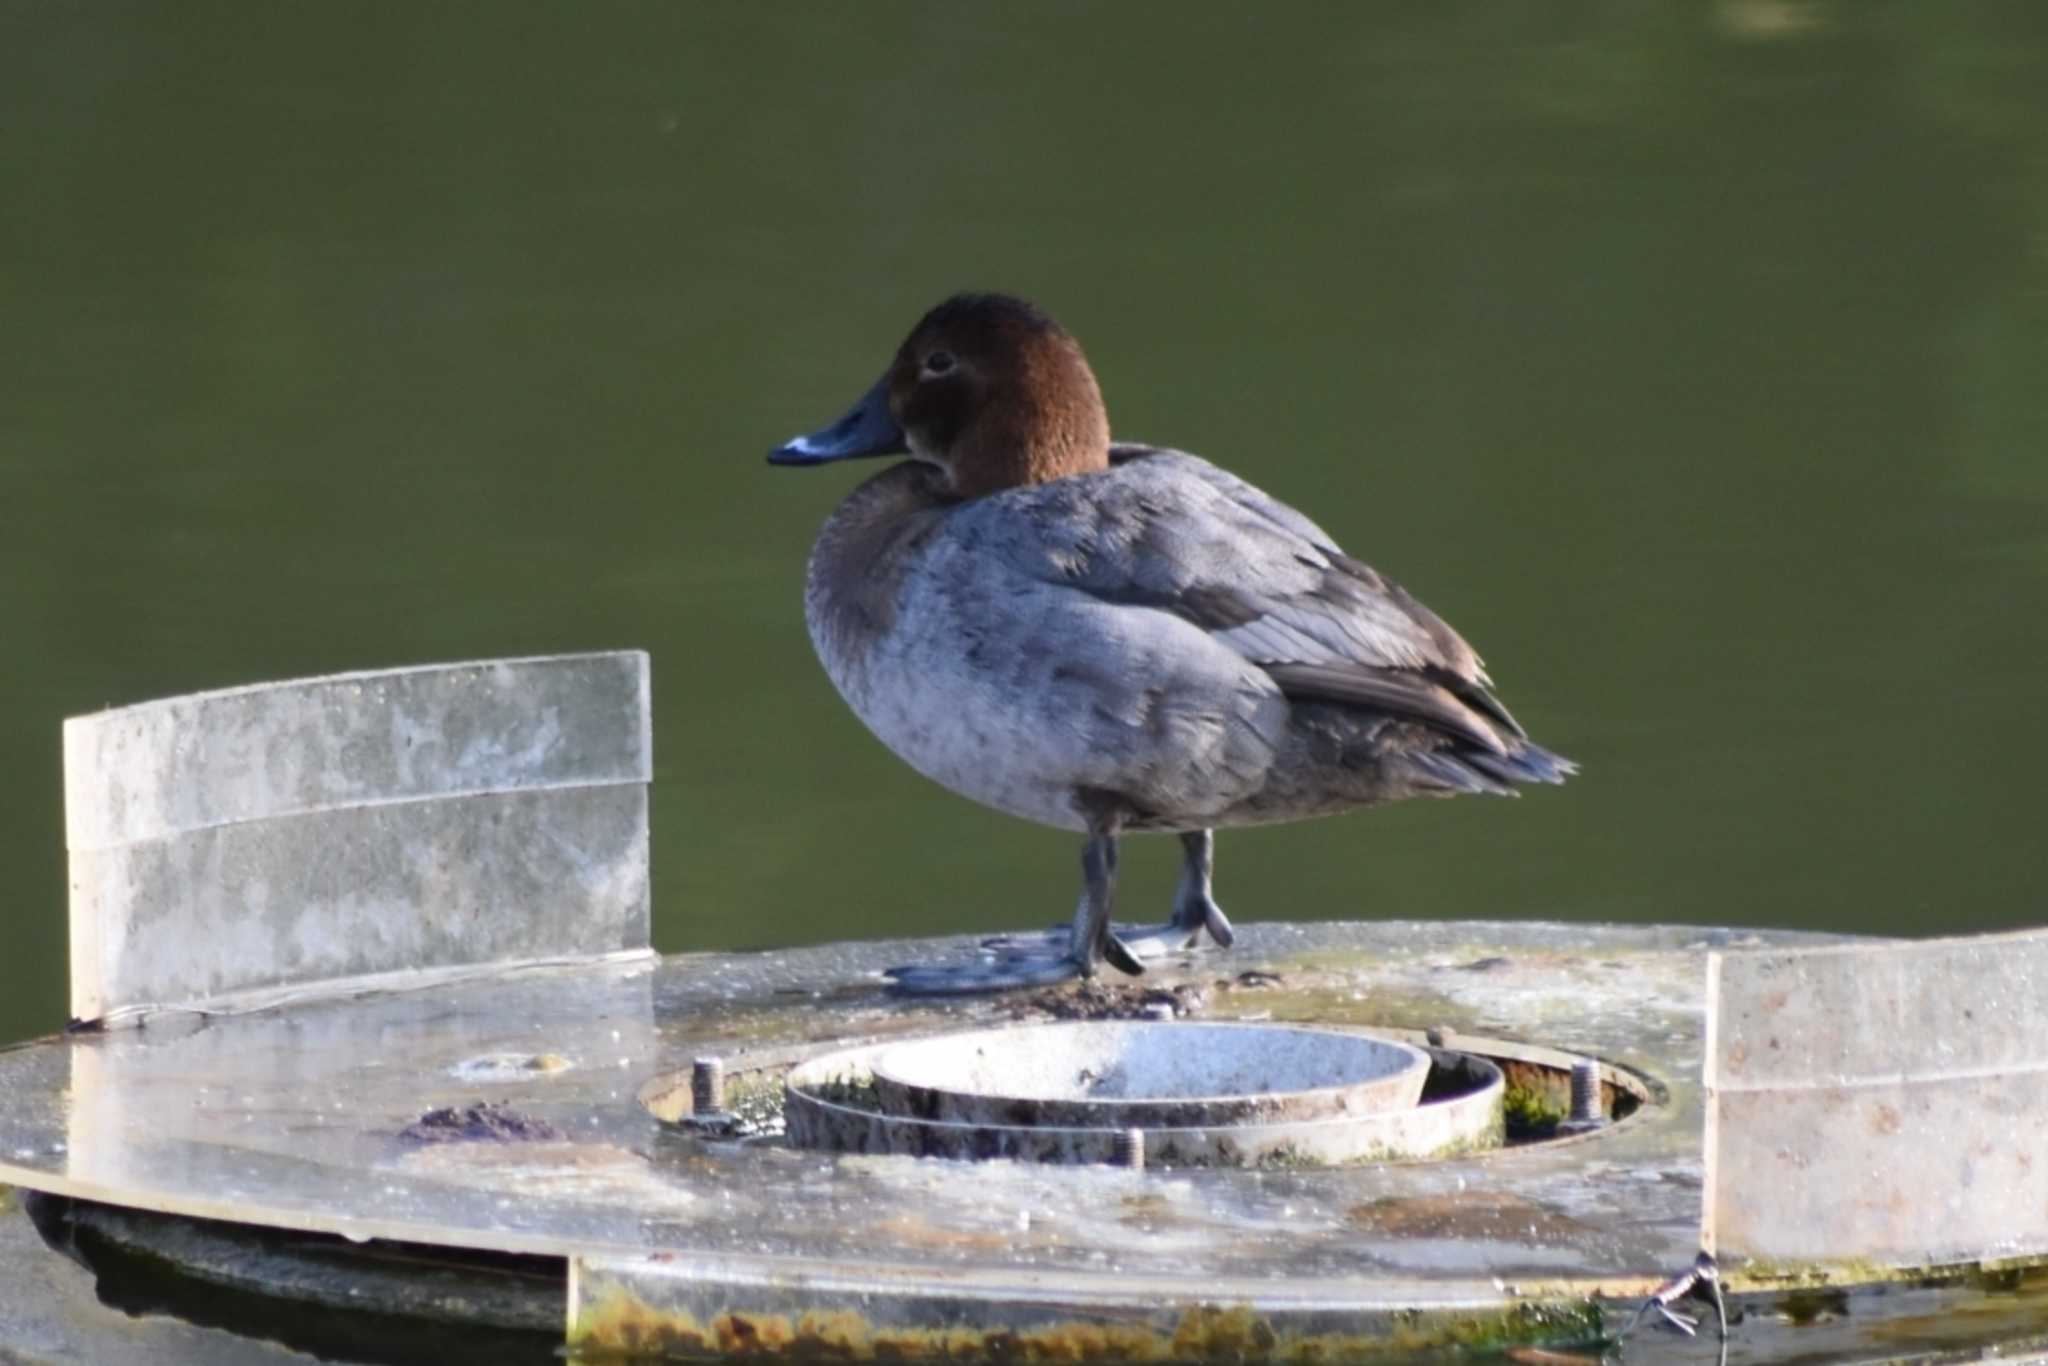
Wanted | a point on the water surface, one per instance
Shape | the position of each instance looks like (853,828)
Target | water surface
(1687,358)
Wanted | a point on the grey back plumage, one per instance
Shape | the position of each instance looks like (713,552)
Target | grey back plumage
(1169,531)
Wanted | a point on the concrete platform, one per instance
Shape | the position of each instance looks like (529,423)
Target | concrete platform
(308,1118)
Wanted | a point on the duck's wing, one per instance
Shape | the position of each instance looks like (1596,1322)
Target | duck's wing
(1170,532)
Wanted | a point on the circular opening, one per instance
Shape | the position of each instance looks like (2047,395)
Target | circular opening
(1478,1093)
(1125,1072)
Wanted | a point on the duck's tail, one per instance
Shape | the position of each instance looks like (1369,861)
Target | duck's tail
(1467,768)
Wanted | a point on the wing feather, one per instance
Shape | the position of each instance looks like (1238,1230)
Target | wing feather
(1170,532)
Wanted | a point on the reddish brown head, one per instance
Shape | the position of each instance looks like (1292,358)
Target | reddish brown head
(988,389)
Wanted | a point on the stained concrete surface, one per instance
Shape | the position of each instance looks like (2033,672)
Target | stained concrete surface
(357,825)
(297,1117)
(294,1117)
(1880,1104)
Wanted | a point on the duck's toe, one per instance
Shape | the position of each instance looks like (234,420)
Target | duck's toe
(1218,925)
(1145,942)
(1196,914)
(1014,961)
(1118,955)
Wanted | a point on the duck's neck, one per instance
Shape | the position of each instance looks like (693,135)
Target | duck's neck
(1049,425)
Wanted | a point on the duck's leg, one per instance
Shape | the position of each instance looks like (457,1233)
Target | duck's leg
(1076,951)
(1092,940)
(1194,911)
(1194,901)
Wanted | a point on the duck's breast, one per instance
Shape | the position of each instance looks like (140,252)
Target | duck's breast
(1026,692)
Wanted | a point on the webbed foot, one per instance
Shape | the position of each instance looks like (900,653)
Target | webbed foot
(1041,960)
(1044,963)
(1195,914)
(1146,943)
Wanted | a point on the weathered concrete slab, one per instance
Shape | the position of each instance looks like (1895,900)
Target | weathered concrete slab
(1879,1104)
(308,1118)
(356,826)
(366,890)
(317,744)
(297,1118)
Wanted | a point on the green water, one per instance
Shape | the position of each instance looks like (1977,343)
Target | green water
(1689,358)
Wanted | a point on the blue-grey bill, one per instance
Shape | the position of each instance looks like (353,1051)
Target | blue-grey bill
(867,429)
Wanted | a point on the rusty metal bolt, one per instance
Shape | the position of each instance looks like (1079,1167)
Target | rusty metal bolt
(1129,1149)
(707,1086)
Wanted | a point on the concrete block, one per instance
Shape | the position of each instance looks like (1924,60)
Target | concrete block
(357,825)
(1880,1104)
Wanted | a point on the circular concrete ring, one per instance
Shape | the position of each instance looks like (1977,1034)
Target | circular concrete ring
(830,1104)
(1115,1074)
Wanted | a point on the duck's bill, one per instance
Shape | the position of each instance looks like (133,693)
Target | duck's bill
(867,429)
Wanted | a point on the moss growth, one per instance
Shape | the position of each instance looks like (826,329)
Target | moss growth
(755,1099)
(854,1092)
(1794,1276)
(1806,1306)
(1286,1158)
(2009,1277)
(1574,1323)
(617,1324)
(1494,1136)
(1530,1112)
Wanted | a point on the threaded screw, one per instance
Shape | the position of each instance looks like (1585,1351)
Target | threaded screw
(707,1086)
(1587,1112)
(1128,1149)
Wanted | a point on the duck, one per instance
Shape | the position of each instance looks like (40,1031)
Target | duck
(1112,638)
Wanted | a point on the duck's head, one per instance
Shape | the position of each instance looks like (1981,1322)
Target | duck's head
(987,389)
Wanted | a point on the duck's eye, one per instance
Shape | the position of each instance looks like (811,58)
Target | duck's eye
(938,362)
